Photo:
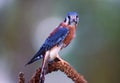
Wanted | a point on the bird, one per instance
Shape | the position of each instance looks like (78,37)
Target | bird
(59,39)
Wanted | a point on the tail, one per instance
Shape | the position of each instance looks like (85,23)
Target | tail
(36,57)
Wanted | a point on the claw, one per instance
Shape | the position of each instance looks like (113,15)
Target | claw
(44,67)
(42,78)
(60,59)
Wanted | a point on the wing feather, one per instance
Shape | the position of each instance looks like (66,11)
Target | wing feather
(55,38)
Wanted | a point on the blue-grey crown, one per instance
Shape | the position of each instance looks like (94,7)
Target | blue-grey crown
(72,13)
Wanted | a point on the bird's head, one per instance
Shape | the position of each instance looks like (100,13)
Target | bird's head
(72,19)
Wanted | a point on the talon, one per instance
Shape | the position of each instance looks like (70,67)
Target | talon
(42,78)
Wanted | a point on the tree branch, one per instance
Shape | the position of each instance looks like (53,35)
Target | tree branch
(55,66)
(21,78)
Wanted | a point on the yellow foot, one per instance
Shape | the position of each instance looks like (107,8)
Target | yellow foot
(63,61)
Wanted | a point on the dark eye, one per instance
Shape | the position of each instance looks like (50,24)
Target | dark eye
(65,20)
(76,16)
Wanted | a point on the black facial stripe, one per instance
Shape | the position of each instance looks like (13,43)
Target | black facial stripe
(65,20)
(76,16)
(69,17)
(69,20)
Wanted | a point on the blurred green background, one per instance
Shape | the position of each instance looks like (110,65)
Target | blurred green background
(94,53)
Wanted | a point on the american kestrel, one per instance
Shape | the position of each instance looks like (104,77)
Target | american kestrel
(57,40)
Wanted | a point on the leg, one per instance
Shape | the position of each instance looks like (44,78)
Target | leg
(63,61)
(44,67)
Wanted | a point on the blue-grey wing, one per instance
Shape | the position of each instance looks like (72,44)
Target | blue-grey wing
(55,38)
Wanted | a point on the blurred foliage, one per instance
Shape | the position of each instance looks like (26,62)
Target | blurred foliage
(96,49)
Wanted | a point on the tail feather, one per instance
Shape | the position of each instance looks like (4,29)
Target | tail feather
(37,56)
(34,59)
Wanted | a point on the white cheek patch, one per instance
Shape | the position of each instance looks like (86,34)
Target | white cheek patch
(67,20)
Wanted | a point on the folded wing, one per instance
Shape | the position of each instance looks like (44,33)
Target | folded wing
(56,38)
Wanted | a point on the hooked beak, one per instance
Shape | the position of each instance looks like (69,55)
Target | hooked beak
(74,21)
